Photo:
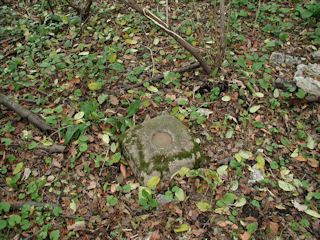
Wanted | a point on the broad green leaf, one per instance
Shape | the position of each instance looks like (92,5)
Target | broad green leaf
(183,228)
(5,206)
(285,142)
(260,163)
(238,157)
(102,98)
(179,194)
(13,220)
(156,41)
(70,132)
(229,198)
(183,171)
(310,143)
(3,224)
(189,31)
(55,235)
(73,206)
(113,147)
(234,185)
(133,108)
(252,227)
(295,153)
(222,170)
(259,94)
(78,116)
(106,138)
(254,108)
(245,154)
(113,58)
(286,186)
(229,133)
(241,202)
(152,89)
(84,53)
(204,207)
(312,213)
(94,86)
(117,67)
(116,157)
(112,200)
(153,182)
(18,168)
(258,125)
(226,98)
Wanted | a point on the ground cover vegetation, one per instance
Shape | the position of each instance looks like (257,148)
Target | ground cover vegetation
(92,72)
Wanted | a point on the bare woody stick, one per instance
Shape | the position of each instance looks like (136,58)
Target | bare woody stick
(194,51)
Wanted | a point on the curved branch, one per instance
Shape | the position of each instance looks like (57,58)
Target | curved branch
(194,51)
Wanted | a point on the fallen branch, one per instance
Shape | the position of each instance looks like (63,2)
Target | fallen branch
(154,79)
(25,113)
(148,14)
(55,148)
(18,205)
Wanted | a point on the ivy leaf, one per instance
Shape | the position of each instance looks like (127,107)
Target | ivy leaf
(153,182)
(252,227)
(285,142)
(204,207)
(312,213)
(229,198)
(254,108)
(286,186)
(5,206)
(70,132)
(18,168)
(179,194)
(183,171)
(94,86)
(133,108)
(183,228)
(310,143)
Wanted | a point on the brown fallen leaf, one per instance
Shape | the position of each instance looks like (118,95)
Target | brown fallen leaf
(123,170)
(301,158)
(77,226)
(313,162)
(245,236)
(274,227)
(155,235)
(114,100)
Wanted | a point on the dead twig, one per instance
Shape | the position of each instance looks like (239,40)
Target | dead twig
(148,14)
(18,205)
(25,113)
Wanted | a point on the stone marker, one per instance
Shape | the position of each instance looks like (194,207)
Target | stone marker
(159,147)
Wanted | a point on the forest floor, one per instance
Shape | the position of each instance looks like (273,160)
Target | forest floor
(261,139)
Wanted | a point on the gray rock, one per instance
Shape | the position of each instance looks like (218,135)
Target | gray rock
(277,58)
(316,55)
(284,84)
(159,147)
(306,77)
(290,60)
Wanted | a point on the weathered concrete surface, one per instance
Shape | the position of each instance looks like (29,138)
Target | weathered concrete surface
(159,147)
